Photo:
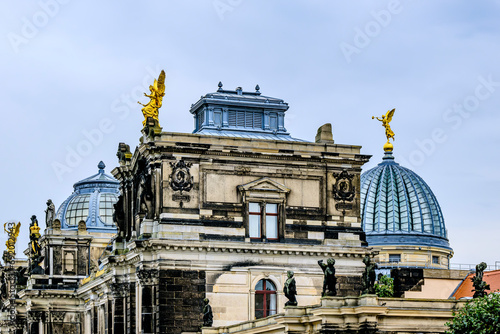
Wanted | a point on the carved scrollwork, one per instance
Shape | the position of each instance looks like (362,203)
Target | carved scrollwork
(148,277)
(181,179)
(343,190)
(119,290)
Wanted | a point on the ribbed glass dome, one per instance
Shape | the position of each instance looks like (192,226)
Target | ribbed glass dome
(399,208)
(92,201)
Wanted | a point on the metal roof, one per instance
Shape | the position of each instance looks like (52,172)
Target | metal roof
(92,201)
(399,208)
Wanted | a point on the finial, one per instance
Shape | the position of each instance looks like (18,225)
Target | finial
(101,166)
(386,119)
(220,86)
(257,88)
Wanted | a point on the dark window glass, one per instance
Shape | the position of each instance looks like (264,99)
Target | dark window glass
(265,299)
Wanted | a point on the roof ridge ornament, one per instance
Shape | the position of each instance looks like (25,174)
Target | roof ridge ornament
(101,166)
(386,119)
(220,86)
(257,89)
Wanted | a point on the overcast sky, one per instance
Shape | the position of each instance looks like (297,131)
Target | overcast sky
(72,71)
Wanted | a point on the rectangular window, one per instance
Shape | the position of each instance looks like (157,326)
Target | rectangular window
(217,119)
(435,259)
(272,221)
(395,258)
(254,220)
(263,221)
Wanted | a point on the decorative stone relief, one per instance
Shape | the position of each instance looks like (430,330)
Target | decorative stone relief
(119,290)
(57,316)
(148,277)
(343,191)
(181,179)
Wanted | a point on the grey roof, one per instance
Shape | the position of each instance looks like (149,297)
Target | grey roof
(398,207)
(241,114)
(92,201)
(246,134)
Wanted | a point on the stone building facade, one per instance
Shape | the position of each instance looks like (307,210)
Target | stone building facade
(222,213)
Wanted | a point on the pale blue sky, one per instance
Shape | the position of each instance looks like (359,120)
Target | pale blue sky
(70,68)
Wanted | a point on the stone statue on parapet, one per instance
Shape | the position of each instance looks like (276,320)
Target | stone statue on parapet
(35,250)
(290,289)
(156,97)
(369,276)
(329,280)
(50,213)
(208,318)
(386,119)
(479,285)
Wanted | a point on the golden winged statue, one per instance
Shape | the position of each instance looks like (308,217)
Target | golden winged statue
(156,97)
(386,119)
(13,232)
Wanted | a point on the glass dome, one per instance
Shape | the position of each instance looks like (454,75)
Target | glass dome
(399,208)
(91,201)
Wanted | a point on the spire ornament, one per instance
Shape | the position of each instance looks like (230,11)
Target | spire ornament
(156,98)
(386,119)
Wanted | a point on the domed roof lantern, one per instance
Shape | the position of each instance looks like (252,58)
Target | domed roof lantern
(91,201)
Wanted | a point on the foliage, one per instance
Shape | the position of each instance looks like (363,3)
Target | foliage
(478,316)
(384,287)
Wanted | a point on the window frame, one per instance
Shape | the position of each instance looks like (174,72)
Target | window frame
(265,310)
(263,214)
(394,255)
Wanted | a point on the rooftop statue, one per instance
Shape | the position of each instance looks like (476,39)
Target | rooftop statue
(208,318)
(35,254)
(369,276)
(386,119)
(329,281)
(290,289)
(156,97)
(479,285)
(50,213)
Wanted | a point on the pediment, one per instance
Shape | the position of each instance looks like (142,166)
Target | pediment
(264,184)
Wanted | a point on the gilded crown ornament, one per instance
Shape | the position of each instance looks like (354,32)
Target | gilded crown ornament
(386,119)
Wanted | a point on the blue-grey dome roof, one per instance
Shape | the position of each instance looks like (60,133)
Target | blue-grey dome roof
(92,201)
(399,208)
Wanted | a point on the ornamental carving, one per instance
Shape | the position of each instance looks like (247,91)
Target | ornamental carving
(148,277)
(181,179)
(119,290)
(57,316)
(343,190)
(36,316)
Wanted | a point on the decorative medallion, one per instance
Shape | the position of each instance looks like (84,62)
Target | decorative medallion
(343,190)
(181,179)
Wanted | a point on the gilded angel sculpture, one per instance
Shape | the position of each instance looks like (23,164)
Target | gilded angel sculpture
(13,232)
(386,119)
(156,97)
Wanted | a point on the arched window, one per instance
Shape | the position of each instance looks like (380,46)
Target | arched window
(265,299)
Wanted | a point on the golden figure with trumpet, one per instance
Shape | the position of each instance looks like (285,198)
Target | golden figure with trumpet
(13,232)
(156,97)
(386,119)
